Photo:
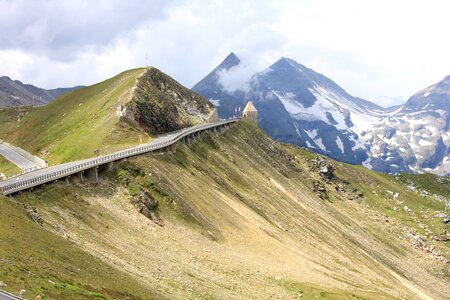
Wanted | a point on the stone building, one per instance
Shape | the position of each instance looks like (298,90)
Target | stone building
(250,112)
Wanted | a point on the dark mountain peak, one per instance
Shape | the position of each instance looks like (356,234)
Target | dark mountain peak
(230,61)
(286,63)
(210,81)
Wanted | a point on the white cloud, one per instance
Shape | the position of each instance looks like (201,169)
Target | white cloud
(376,50)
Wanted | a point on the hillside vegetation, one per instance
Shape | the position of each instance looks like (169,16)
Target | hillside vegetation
(117,113)
(7,168)
(234,216)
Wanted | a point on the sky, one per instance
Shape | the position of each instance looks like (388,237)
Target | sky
(383,51)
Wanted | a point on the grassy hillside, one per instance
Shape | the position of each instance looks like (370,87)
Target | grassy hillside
(8,168)
(42,263)
(235,216)
(115,114)
(72,126)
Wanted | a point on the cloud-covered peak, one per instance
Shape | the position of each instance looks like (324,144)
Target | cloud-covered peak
(230,61)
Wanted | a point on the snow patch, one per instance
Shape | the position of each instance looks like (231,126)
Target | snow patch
(309,145)
(311,133)
(367,164)
(320,144)
(215,102)
(340,144)
(423,142)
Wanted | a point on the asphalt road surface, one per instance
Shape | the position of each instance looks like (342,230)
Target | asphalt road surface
(16,158)
(7,296)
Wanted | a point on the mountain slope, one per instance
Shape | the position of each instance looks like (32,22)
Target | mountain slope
(15,93)
(238,216)
(300,106)
(117,113)
(211,88)
(416,137)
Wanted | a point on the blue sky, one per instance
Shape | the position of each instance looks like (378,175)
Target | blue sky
(383,51)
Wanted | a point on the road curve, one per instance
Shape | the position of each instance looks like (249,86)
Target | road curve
(16,158)
(42,176)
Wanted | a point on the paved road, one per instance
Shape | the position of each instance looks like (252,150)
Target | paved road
(50,174)
(16,158)
(7,296)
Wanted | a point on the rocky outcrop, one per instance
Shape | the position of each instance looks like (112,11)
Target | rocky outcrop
(146,204)
(160,104)
(33,213)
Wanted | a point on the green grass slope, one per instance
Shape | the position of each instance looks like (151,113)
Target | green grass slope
(239,216)
(34,259)
(75,124)
(7,168)
(117,113)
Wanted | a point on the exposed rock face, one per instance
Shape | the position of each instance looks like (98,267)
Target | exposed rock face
(33,213)
(15,93)
(299,106)
(160,104)
(146,204)
(327,171)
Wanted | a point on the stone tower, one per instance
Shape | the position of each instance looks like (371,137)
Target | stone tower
(250,112)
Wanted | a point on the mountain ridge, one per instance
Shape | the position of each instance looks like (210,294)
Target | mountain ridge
(300,106)
(15,93)
(115,114)
(227,215)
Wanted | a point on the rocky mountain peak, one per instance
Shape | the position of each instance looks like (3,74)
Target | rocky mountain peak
(301,106)
(230,61)
(435,97)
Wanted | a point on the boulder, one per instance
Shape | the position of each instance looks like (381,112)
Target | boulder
(33,213)
(327,171)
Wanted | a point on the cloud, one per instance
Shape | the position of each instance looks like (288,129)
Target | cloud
(373,49)
(62,30)
(236,79)
(255,48)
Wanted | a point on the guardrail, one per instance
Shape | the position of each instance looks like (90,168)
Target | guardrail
(17,184)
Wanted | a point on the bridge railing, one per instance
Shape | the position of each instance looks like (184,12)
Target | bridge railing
(94,162)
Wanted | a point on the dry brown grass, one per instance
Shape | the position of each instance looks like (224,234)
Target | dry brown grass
(240,222)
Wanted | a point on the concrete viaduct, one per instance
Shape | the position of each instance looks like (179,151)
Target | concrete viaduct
(89,167)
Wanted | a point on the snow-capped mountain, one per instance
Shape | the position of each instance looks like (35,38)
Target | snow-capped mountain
(300,106)
(417,136)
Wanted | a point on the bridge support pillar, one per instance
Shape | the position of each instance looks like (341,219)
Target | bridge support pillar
(93,174)
(109,166)
(80,176)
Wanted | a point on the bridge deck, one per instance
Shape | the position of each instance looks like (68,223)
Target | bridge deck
(53,173)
